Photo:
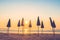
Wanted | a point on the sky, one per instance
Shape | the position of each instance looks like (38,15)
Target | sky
(29,10)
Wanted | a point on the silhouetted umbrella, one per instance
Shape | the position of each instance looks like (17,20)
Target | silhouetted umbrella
(9,25)
(30,25)
(18,26)
(22,24)
(42,26)
(38,24)
(53,25)
(18,29)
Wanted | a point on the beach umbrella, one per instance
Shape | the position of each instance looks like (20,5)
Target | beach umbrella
(30,25)
(18,26)
(22,24)
(38,24)
(9,25)
(53,25)
(42,26)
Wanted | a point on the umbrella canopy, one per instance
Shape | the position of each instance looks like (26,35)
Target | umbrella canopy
(52,23)
(30,25)
(9,23)
(42,25)
(19,23)
(38,21)
(22,23)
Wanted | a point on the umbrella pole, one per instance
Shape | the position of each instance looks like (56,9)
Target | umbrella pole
(8,31)
(23,30)
(38,30)
(18,30)
(53,31)
(30,31)
(18,33)
(42,31)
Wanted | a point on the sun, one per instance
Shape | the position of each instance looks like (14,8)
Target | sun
(26,22)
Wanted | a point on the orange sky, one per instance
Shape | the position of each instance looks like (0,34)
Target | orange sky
(14,22)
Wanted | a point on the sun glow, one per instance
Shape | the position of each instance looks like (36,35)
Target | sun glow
(26,22)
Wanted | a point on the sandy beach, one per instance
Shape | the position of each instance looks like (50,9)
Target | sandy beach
(5,36)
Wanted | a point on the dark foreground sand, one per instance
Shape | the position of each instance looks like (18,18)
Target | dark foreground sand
(4,36)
